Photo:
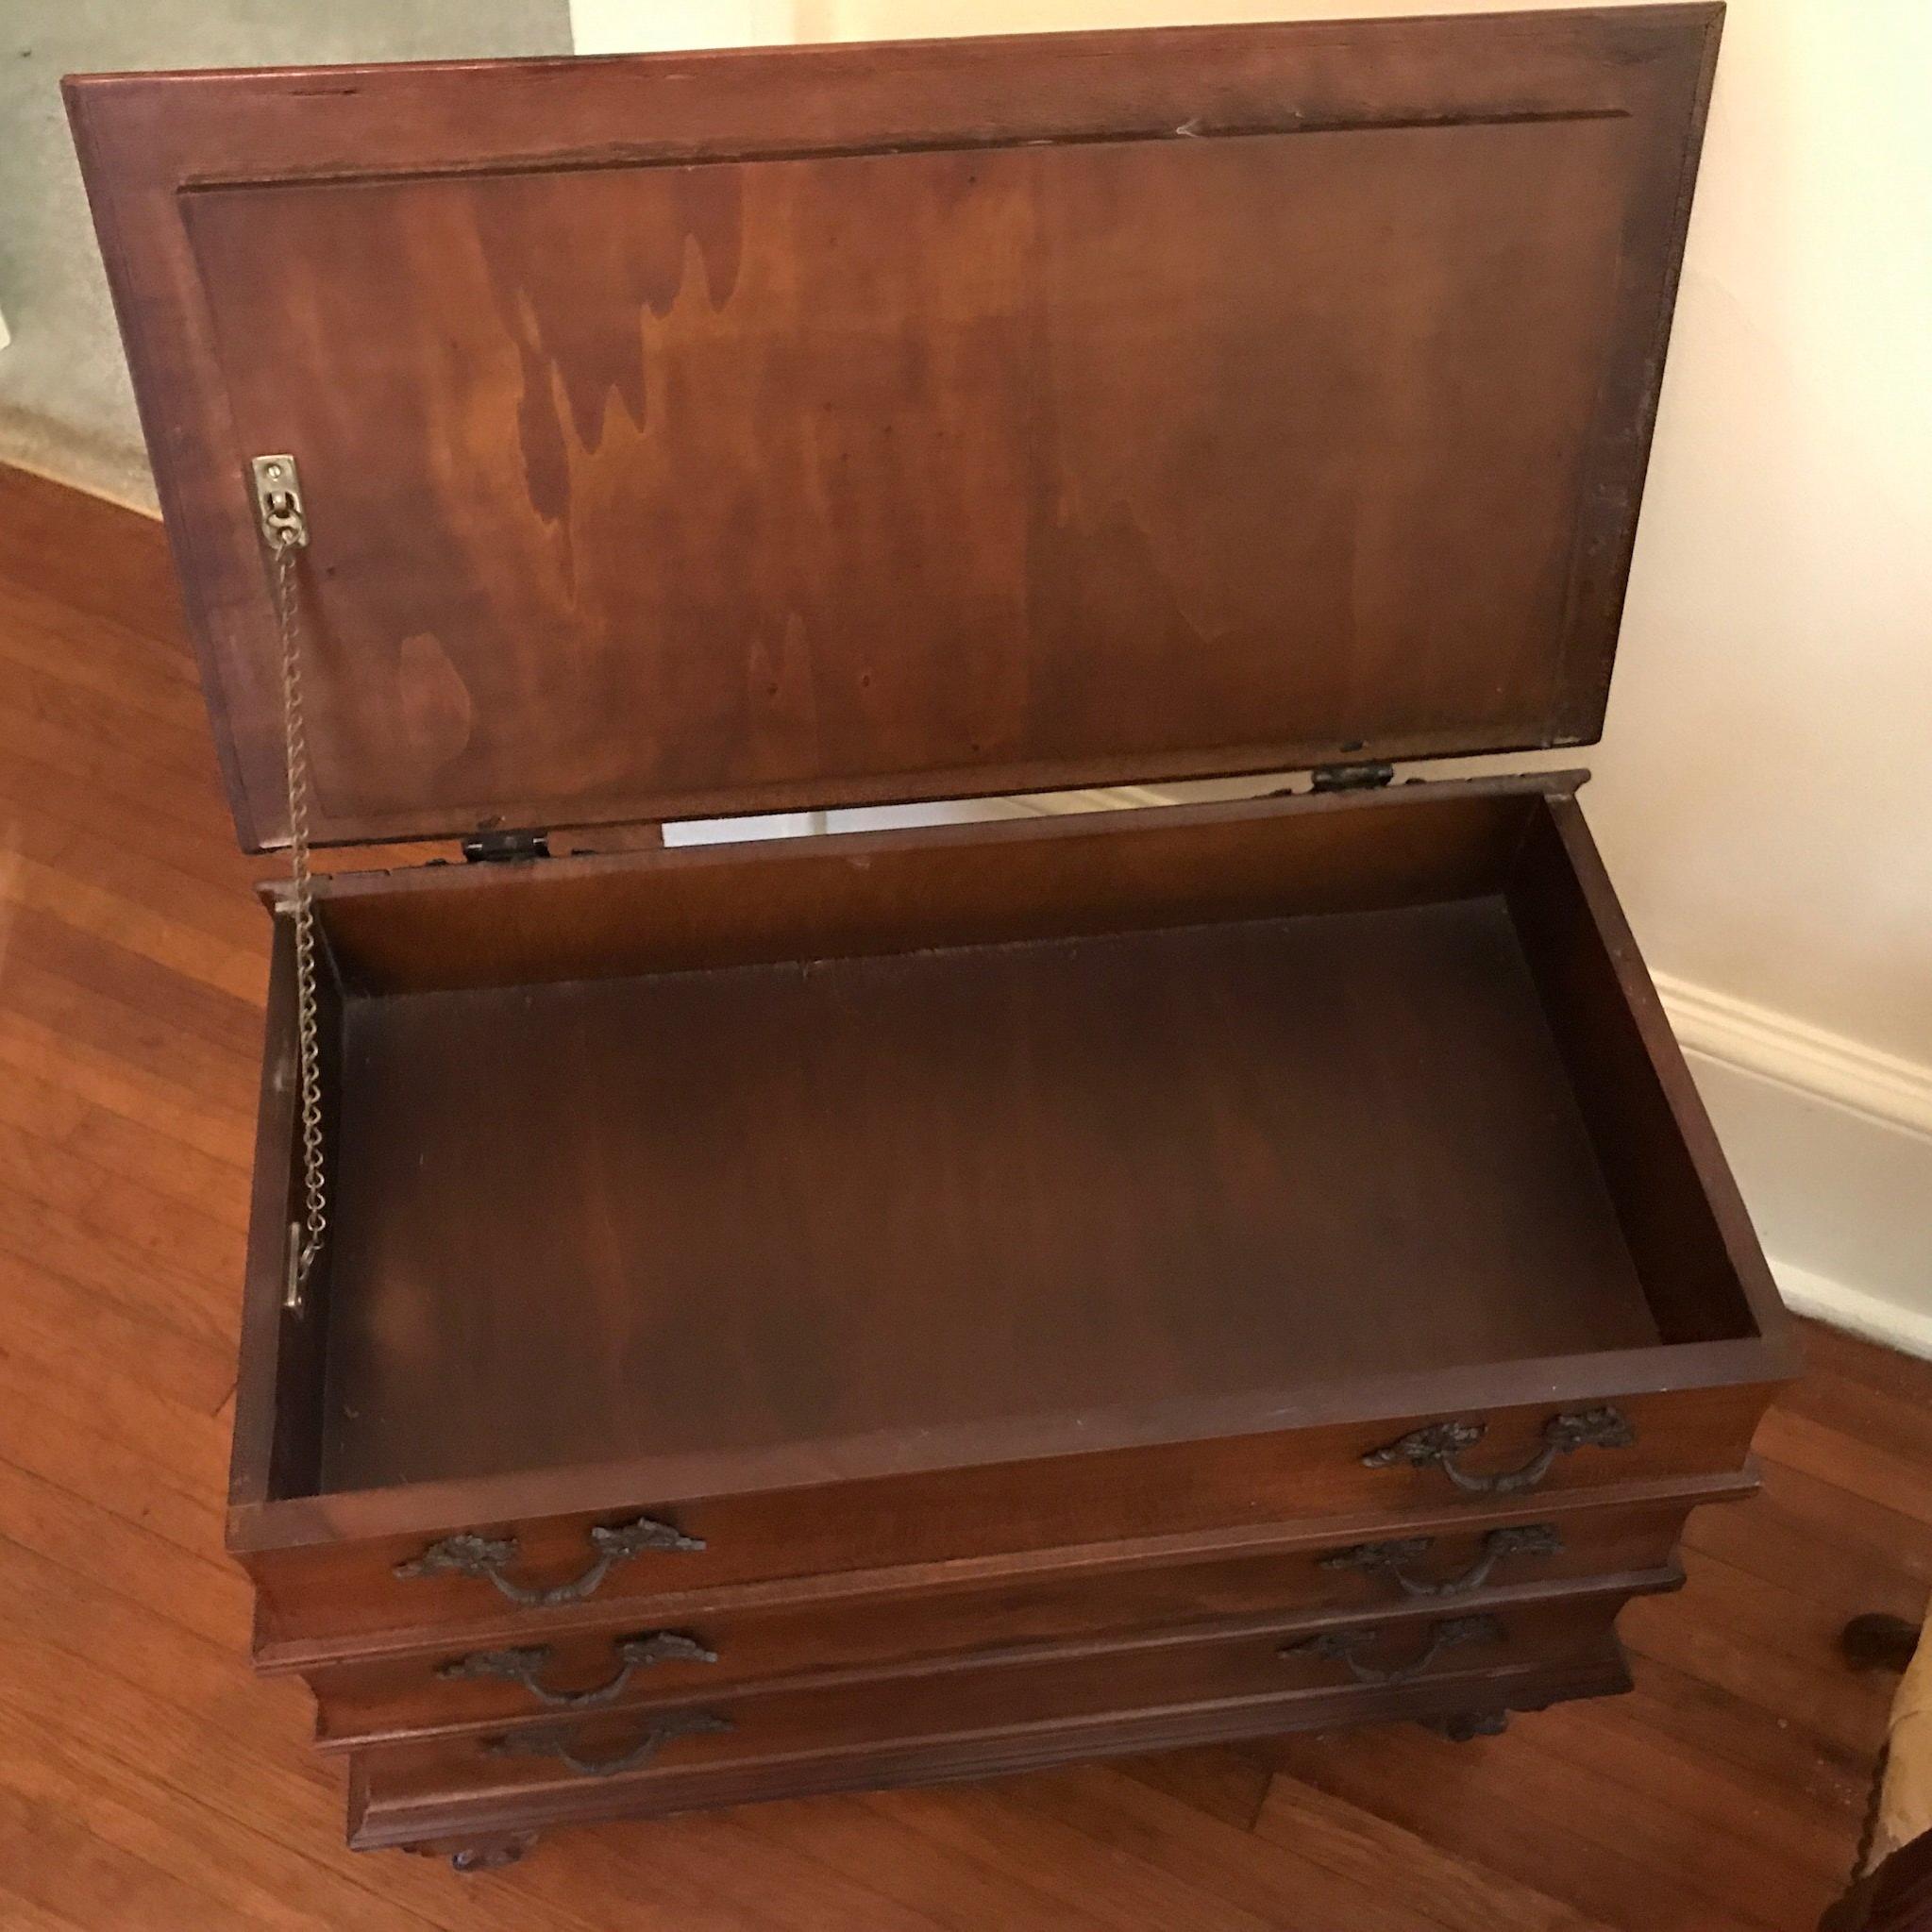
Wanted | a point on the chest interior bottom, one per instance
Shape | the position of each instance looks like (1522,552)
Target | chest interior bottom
(612,1182)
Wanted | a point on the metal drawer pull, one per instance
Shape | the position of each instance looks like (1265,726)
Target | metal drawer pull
(1441,1442)
(633,1654)
(554,1742)
(1452,1633)
(1522,1539)
(470,1555)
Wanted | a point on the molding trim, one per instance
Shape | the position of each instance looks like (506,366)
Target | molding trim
(1839,1305)
(1883,1087)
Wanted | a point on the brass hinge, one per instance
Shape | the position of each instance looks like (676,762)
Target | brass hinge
(505,848)
(1352,778)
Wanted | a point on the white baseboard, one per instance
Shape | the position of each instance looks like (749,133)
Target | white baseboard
(1854,1310)
(1895,1091)
(1831,1141)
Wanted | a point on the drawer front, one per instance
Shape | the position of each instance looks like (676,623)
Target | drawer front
(940,1723)
(536,1567)
(702,1644)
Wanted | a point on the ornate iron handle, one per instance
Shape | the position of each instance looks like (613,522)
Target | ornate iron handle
(554,1740)
(1522,1539)
(633,1654)
(470,1555)
(1441,1442)
(1451,1632)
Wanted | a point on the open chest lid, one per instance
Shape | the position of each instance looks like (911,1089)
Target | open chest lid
(709,433)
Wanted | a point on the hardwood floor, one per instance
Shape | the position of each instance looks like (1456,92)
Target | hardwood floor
(148,1780)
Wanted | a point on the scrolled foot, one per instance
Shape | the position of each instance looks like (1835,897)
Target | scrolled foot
(1460,1726)
(491,1852)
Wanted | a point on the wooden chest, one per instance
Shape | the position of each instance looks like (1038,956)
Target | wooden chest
(816,1312)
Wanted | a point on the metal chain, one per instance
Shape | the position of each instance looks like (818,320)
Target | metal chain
(305,1238)
(1874,1805)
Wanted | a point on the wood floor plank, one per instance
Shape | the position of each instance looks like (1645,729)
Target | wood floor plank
(22,1914)
(1840,1520)
(1907,1377)
(87,1573)
(121,951)
(1311,1877)
(63,817)
(994,1826)
(98,655)
(739,1877)
(149,1224)
(1802,1697)
(246,1862)
(97,1337)
(49,1854)
(1699,1785)
(154,1682)
(139,1040)
(36,692)
(1719,1724)
(93,555)
(79,1458)
(196,1296)
(1225,1781)
(138,787)
(1558,1830)
(958,1891)
(1872,1470)
(174,1113)
(1766,1539)
(1095,1869)
(209,1743)
(231,1870)
(1450,1892)
(108,1140)
(1898,1420)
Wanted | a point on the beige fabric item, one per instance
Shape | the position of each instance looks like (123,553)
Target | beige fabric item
(1905,1803)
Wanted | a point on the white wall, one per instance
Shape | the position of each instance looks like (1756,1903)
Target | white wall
(642,26)
(66,404)
(1764,789)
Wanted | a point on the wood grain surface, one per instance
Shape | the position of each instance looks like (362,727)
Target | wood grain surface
(1125,1169)
(149,1782)
(814,426)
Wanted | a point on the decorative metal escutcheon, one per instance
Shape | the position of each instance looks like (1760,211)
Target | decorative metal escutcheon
(1346,1646)
(1440,1443)
(470,1555)
(559,1741)
(1394,1558)
(633,1654)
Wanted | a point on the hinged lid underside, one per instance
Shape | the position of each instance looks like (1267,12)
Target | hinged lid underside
(707,433)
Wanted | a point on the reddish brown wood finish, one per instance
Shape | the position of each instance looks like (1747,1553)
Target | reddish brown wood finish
(993,1258)
(910,1729)
(1013,1481)
(731,431)
(1726,1791)
(346,1584)
(1075,1566)
(760,901)
(1136,1158)
(1157,1445)
(1067,1597)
